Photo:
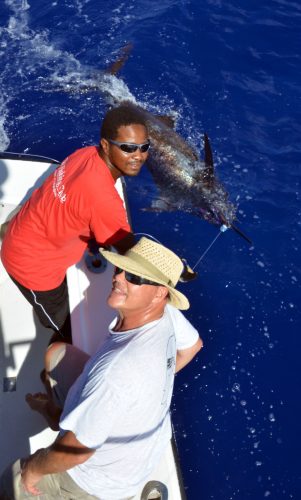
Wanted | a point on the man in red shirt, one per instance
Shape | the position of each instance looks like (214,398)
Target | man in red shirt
(77,203)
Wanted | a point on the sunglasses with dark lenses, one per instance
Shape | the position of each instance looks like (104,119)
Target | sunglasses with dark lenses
(129,147)
(133,278)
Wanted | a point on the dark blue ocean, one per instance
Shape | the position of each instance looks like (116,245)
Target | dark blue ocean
(231,69)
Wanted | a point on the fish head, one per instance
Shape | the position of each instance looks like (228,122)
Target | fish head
(212,204)
(211,215)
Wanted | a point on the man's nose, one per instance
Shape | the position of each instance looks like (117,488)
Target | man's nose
(138,154)
(119,276)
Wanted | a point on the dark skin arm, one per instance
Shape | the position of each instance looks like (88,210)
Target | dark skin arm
(121,245)
(66,452)
(125,244)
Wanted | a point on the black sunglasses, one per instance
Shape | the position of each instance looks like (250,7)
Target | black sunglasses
(133,278)
(129,147)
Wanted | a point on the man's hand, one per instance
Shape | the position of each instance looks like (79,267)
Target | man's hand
(66,452)
(124,244)
(30,478)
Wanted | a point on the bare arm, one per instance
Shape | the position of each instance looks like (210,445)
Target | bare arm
(125,244)
(186,355)
(66,452)
(121,245)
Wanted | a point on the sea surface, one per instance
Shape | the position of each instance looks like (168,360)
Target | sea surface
(230,69)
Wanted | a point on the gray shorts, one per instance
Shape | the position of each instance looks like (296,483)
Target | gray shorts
(53,486)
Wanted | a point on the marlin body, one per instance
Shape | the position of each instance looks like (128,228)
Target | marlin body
(184,181)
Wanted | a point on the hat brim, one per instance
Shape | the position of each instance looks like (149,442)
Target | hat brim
(176,298)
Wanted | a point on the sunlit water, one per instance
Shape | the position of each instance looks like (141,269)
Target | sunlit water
(232,70)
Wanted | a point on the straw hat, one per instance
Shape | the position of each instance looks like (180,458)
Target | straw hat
(154,262)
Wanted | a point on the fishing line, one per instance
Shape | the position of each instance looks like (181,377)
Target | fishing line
(190,275)
(222,229)
(149,236)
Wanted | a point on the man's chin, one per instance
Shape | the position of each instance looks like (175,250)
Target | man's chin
(115,300)
(133,171)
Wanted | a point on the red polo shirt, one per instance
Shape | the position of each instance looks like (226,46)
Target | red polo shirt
(49,234)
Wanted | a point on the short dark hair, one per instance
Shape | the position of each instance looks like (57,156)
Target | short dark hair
(121,116)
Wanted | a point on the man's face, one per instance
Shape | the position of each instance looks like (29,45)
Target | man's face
(127,297)
(127,163)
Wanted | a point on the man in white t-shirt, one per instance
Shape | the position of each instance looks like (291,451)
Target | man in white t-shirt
(115,422)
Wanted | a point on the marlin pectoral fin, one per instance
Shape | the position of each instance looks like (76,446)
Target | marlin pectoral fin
(159,205)
(152,210)
(118,64)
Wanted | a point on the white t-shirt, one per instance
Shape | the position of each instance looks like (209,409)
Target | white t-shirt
(119,406)
(186,334)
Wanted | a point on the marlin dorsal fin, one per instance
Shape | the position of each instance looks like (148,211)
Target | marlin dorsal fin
(208,175)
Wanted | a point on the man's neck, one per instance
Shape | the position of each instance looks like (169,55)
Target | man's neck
(115,172)
(129,320)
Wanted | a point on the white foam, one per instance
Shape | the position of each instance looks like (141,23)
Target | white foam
(4,139)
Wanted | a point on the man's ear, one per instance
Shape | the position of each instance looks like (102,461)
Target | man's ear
(105,146)
(161,293)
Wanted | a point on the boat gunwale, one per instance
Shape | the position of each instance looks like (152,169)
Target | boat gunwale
(8,155)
